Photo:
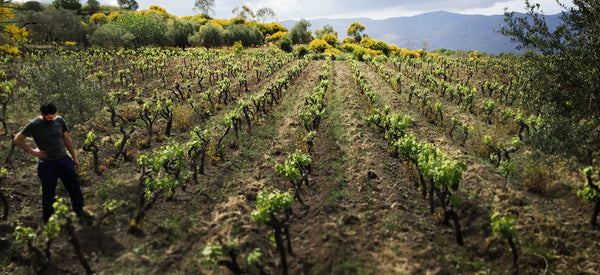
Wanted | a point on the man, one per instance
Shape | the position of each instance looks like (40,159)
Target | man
(51,136)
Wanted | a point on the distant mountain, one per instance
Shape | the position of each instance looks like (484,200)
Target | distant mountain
(440,30)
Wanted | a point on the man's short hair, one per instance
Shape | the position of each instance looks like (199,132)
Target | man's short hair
(48,108)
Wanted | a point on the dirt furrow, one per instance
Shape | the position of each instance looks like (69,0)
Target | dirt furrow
(370,218)
(484,191)
(179,230)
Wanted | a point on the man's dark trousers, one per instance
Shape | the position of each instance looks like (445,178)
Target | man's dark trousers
(49,172)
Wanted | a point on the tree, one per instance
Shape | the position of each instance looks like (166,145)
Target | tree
(355,30)
(53,25)
(299,34)
(111,35)
(205,6)
(248,35)
(60,81)
(327,29)
(93,6)
(286,44)
(244,12)
(208,36)
(179,30)
(559,76)
(128,4)
(265,15)
(67,4)
(147,29)
(32,6)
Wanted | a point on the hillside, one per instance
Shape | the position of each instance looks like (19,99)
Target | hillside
(440,30)
(368,206)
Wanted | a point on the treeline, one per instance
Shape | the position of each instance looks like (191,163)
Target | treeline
(114,27)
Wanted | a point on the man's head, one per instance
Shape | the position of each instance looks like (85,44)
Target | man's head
(48,110)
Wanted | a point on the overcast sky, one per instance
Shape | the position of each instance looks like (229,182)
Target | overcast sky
(374,9)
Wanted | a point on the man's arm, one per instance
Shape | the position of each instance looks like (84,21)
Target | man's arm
(20,141)
(71,148)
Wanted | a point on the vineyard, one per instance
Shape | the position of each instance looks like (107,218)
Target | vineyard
(261,162)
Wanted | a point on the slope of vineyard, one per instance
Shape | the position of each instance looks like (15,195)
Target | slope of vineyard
(361,210)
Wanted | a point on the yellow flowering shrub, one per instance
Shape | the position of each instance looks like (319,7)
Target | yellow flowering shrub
(198,18)
(434,55)
(157,8)
(276,36)
(394,50)
(333,51)
(220,22)
(113,16)
(367,42)
(70,43)
(12,33)
(331,39)
(8,49)
(98,17)
(215,24)
(319,45)
(15,33)
(406,53)
(348,40)
(274,48)
(349,47)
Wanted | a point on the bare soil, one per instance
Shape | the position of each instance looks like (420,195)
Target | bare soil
(363,213)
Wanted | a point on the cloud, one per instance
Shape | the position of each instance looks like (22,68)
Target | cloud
(295,9)
(374,9)
(380,9)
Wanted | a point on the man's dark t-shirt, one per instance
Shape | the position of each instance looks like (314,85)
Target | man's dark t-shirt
(48,136)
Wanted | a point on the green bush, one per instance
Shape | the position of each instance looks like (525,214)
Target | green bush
(147,29)
(178,32)
(208,36)
(286,45)
(67,4)
(62,80)
(248,35)
(300,34)
(560,72)
(111,35)
(341,57)
(302,51)
(348,47)
(381,46)
(359,53)
(237,47)
(32,6)
(331,39)
(93,6)
(50,26)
